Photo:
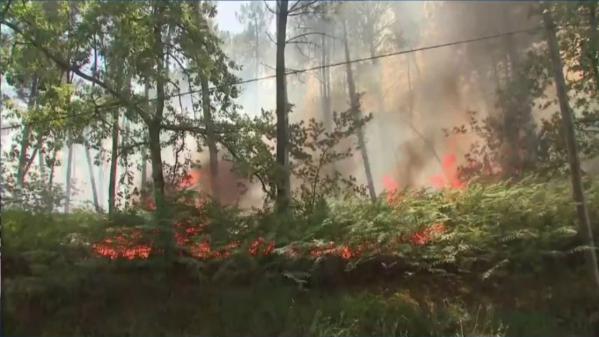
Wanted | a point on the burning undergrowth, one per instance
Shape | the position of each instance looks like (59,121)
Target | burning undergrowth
(192,240)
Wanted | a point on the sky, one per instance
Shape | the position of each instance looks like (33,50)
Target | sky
(225,16)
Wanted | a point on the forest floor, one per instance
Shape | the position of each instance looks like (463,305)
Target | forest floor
(145,303)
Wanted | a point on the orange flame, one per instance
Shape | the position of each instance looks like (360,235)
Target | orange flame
(192,179)
(449,178)
(391,187)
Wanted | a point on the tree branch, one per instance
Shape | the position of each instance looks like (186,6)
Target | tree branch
(296,10)
(312,33)
(68,67)
(268,7)
(5,10)
(270,38)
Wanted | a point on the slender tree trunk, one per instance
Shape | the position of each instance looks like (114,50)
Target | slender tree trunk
(593,40)
(584,222)
(355,108)
(30,161)
(92,179)
(157,169)
(144,153)
(40,160)
(114,154)
(210,139)
(518,116)
(52,167)
(325,87)
(67,203)
(68,179)
(25,136)
(154,127)
(283,175)
(257,65)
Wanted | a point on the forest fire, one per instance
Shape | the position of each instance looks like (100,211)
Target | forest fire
(391,189)
(191,180)
(449,178)
(129,245)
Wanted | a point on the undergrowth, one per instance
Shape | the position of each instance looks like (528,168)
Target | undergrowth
(487,272)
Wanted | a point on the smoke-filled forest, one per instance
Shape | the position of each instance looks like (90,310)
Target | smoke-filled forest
(299,168)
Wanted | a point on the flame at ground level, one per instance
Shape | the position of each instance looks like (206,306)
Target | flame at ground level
(129,245)
(449,177)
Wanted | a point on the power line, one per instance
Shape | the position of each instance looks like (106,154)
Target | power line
(330,65)
(401,52)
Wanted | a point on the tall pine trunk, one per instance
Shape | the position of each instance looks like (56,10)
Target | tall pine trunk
(166,243)
(92,179)
(210,139)
(144,154)
(157,169)
(40,161)
(257,65)
(584,222)
(519,128)
(355,109)
(283,178)
(113,162)
(67,203)
(52,168)
(325,88)
(593,47)
(68,179)
(25,136)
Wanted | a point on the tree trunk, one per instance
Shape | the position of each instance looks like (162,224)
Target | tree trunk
(355,108)
(52,167)
(283,174)
(325,87)
(257,69)
(113,162)
(166,242)
(144,153)
(593,40)
(157,170)
(25,136)
(40,159)
(210,139)
(584,223)
(519,128)
(33,154)
(67,202)
(92,179)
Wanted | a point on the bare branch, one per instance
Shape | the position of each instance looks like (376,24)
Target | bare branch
(304,42)
(267,66)
(270,38)
(268,7)
(125,149)
(308,34)
(299,13)
(296,9)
